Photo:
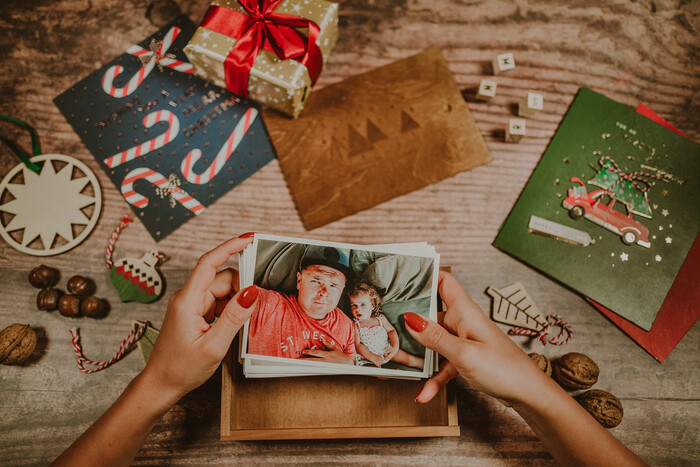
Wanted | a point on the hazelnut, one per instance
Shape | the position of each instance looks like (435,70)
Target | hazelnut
(80,286)
(69,305)
(603,406)
(47,299)
(542,362)
(43,276)
(17,343)
(576,371)
(93,307)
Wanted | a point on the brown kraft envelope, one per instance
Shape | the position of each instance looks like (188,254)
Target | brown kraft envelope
(376,136)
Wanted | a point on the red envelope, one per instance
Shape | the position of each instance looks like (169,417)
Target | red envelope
(681,308)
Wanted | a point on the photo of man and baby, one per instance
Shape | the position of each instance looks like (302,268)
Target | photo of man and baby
(329,304)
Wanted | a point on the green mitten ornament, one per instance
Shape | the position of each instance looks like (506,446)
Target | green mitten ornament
(136,279)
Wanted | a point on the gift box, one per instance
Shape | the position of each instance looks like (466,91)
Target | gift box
(271,51)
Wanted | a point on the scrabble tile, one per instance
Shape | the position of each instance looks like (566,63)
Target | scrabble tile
(487,89)
(503,62)
(515,130)
(530,105)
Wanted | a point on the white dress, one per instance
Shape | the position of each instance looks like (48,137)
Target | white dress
(376,339)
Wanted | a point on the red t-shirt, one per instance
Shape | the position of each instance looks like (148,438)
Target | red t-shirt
(280,328)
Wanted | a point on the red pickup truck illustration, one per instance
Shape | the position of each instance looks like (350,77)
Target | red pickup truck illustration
(580,204)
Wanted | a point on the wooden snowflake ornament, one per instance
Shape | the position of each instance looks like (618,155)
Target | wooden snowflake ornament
(52,211)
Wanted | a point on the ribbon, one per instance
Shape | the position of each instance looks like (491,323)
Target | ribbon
(552,320)
(113,240)
(632,177)
(137,331)
(262,28)
(18,152)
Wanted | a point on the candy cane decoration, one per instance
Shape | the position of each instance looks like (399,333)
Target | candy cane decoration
(150,145)
(223,155)
(136,80)
(137,331)
(158,180)
(543,335)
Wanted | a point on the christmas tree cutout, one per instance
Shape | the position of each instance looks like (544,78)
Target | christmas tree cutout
(630,189)
(512,305)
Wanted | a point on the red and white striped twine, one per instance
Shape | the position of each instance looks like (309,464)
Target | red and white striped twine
(552,320)
(137,331)
(113,240)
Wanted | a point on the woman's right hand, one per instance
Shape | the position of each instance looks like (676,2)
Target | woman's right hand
(475,348)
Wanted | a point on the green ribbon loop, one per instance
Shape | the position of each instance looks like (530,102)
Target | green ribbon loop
(18,152)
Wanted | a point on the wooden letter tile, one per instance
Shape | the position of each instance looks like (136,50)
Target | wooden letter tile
(503,62)
(487,89)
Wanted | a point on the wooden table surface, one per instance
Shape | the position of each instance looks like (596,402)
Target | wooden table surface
(639,51)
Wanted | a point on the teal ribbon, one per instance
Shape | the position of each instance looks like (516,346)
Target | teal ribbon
(18,152)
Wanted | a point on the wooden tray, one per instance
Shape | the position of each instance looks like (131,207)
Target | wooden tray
(330,407)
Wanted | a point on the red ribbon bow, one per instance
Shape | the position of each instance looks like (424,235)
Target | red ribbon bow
(262,28)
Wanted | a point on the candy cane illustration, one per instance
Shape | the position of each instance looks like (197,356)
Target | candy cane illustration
(135,199)
(150,145)
(136,80)
(223,155)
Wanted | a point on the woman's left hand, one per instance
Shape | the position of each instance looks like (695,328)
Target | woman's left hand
(189,349)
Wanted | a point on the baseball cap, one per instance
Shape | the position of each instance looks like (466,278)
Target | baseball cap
(328,256)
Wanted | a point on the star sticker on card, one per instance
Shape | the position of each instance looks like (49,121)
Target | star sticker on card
(664,212)
(657,258)
(624,256)
(669,240)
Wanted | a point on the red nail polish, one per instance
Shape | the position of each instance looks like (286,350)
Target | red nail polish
(247,235)
(415,322)
(248,296)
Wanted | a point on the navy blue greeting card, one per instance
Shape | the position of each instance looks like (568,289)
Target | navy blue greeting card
(171,142)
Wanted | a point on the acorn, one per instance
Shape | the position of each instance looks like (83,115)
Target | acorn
(47,299)
(69,305)
(93,307)
(43,276)
(80,286)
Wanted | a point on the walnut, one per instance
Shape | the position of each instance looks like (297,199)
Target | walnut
(576,371)
(542,362)
(17,343)
(603,406)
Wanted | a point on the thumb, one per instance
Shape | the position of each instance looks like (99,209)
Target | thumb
(233,317)
(433,336)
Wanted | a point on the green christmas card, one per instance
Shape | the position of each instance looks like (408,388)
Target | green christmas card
(616,200)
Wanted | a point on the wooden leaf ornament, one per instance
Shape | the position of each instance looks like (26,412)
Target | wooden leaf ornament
(512,305)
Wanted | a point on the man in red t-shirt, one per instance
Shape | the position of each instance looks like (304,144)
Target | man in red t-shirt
(309,324)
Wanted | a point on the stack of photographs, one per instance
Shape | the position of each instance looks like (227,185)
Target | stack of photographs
(327,308)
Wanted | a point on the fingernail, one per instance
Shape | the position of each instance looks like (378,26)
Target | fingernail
(248,296)
(415,322)
(247,235)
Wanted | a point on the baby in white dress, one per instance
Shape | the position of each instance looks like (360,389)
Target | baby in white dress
(376,340)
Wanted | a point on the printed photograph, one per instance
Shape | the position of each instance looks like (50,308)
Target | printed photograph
(322,303)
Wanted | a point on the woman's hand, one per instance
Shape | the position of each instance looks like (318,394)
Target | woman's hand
(478,350)
(475,348)
(189,349)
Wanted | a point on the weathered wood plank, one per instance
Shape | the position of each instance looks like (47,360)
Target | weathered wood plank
(631,51)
